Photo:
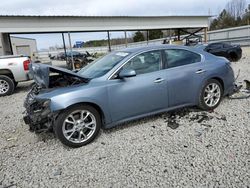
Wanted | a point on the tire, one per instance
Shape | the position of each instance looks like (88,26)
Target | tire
(233,57)
(7,85)
(79,131)
(77,64)
(207,95)
(15,83)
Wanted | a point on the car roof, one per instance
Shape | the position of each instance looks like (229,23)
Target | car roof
(156,47)
(218,43)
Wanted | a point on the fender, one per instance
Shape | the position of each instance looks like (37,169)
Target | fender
(58,105)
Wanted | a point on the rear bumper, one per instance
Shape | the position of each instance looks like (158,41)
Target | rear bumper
(230,90)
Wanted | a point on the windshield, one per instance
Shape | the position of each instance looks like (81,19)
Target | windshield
(103,65)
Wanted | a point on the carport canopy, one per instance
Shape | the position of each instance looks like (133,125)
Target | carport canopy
(43,24)
(15,24)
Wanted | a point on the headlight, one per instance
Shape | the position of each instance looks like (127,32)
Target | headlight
(46,103)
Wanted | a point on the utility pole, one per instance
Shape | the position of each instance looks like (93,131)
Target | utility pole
(147,37)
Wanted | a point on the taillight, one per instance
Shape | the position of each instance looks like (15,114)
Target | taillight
(26,65)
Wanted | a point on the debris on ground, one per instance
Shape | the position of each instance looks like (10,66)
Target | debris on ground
(171,118)
(240,93)
(11,139)
(172,122)
(200,117)
(58,172)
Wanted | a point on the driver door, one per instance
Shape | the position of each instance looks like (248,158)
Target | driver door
(144,93)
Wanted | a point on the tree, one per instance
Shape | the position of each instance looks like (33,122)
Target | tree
(225,20)
(155,34)
(246,16)
(138,36)
(235,14)
(236,8)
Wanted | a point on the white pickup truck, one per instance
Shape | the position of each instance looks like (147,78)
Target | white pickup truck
(13,69)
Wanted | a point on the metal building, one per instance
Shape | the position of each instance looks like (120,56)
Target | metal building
(21,46)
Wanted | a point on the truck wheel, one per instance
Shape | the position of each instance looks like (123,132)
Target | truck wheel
(15,83)
(7,85)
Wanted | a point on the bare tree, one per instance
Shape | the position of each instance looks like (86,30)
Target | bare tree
(236,8)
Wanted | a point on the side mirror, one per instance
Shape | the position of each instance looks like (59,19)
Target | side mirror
(125,73)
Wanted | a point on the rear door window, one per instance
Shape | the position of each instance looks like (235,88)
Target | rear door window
(180,57)
(215,46)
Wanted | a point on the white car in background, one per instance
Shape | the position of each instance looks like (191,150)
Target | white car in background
(13,69)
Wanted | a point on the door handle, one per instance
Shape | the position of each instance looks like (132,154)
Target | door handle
(200,71)
(158,80)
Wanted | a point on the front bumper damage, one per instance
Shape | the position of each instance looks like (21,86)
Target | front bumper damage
(38,115)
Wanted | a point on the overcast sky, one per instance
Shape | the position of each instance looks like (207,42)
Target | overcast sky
(105,8)
(110,7)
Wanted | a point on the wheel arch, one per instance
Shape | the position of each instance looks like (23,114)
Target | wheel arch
(7,72)
(220,80)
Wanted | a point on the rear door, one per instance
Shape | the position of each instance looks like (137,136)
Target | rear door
(185,73)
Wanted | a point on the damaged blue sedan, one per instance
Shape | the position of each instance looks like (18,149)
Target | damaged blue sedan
(122,86)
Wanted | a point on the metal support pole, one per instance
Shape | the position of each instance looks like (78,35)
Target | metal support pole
(147,36)
(6,44)
(64,46)
(170,36)
(179,35)
(126,40)
(70,46)
(11,49)
(109,42)
(205,35)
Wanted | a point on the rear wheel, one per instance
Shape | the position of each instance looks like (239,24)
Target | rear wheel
(211,95)
(233,57)
(78,125)
(7,85)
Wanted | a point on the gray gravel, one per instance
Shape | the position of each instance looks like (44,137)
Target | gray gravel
(183,149)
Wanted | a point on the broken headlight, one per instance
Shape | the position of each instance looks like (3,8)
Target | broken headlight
(40,105)
(46,103)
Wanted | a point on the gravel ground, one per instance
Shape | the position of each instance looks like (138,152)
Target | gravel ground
(189,148)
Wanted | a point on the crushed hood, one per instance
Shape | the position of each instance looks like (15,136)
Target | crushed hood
(41,73)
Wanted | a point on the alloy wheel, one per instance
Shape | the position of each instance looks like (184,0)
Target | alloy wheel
(212,94)
(79,126)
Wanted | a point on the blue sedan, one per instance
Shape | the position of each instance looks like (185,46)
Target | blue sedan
(123,86)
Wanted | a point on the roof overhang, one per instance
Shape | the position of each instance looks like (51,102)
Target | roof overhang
(50,24)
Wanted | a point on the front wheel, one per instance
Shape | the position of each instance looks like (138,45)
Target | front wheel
(78,125)
(211,95)
(7,85)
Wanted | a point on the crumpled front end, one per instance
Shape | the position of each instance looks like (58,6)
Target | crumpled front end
(38,114)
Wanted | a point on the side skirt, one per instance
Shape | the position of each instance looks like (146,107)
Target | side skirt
(113,124)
